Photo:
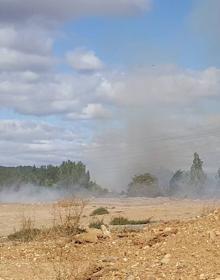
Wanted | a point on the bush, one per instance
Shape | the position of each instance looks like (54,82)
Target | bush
(27,231)
(96,224)
(99,211)
(125,221)
(144,185)
(67,215)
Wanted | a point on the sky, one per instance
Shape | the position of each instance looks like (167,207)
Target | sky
(126,86)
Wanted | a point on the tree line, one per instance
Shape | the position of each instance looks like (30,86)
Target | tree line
(192,183)
(67,175)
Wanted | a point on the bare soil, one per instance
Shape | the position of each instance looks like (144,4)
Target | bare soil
(182,243)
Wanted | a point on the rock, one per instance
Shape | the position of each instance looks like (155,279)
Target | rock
(109,259)
(203,277)
(130,277)
(106,233)
(166,259)
(168,229)
(212,235)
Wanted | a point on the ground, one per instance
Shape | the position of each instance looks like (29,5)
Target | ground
(182,242)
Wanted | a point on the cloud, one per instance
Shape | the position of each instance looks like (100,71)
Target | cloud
(16,10)
(25,49)
(91,111)
(162,85)
(88,96)
(12,60)
(30,142)
(29,39)
(82,60)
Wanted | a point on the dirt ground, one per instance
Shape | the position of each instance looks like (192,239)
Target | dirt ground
(183,242)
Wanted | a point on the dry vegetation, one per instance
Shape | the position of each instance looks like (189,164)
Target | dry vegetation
(68,250)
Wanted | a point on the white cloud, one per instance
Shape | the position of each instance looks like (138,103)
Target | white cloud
(142,87)
(82,60)
(12,60)
(89,95)
(91,111)
(36,143)
(29,39)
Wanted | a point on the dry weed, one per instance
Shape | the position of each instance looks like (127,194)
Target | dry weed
(67,215)
(27,232)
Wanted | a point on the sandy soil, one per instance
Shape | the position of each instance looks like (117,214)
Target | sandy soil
(134,208)
(184,244)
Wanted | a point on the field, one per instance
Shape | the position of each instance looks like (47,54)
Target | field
(182,241)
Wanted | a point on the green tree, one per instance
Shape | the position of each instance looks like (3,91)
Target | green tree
(144,185)
(197,175)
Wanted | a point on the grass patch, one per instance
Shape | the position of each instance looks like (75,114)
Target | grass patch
(27,231)
(96,224)
(25,235)
(124,221)
(99,211)
(66,222)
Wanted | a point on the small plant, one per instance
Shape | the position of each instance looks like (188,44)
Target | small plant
(66,216)
(96,224)
(27,231)
(99,211)
(124,221)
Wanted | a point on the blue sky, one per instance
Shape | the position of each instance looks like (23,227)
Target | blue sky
(163,35)
(103,81)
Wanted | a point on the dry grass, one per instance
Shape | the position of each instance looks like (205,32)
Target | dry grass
(97,223)
(124,221)
(27,231)
(67,215)
(66,222)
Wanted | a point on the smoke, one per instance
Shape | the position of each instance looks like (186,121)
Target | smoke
(32,193)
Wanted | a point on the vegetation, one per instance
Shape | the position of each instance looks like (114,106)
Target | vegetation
(99,211)
(27,231)
(124,221)
(197,175)
(189,183)
(66,222)
(144,185)
(96,223)
(68,175)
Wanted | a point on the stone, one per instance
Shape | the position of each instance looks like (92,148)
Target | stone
(106,233)
(212,235)
(109,259)
(166,259)
(130,277)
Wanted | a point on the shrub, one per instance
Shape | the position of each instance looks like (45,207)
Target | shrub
(66,216)
(96,224)
(99,211)
(27,231)
(125,221)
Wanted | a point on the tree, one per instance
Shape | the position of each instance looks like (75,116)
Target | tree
(178,183)
(197,175)
(144,185)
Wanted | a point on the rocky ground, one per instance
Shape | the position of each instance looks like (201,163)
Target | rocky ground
(182,247)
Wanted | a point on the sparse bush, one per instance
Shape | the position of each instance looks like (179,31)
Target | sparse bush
(124,221)
(27,231)
(66,216)
(96,224)
(99,211)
